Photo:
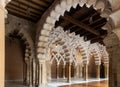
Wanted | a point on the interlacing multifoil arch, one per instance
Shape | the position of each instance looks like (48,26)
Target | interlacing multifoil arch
(95,51)
(100,53)
(101,58)
(63,45)
(69,42)
(58,54)
(105,55)
(29,52)
(59,8)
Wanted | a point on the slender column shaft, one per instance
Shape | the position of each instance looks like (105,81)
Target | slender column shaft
(69,73)
(30,73)
(40,76)
(98,72)
(80,71)
(34,69)
(37,75)
(75,71)
(57,71)
(27,73)
(86,72)
(106,70)
(64,71)
(42,73)
(49,72)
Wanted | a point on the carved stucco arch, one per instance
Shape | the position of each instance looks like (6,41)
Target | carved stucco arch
(69,42)
(58,8)
(99,52)
(94,50)
(29,51)
(105,55)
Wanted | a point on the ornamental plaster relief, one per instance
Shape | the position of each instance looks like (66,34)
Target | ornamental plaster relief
(58,9)
(71,43)
(23,33)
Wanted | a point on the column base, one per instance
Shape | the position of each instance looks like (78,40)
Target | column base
(36,85)
(98,78)
(68,81)
(49,80)
(30,85)
(43,85)
(74,77)
(86,79)
(64,78)
(57,78)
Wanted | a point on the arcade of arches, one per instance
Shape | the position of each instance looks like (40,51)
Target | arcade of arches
(69,40)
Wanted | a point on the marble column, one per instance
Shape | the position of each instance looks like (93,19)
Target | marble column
(98,72)
(75,71)
(69,73)
(30,72)
(106,65)
(37,74)
(34,71)
(57,71)
(80,71)
(27,73)
(64,71)
(49,72)
(42,72)
(85,72)
(2,43)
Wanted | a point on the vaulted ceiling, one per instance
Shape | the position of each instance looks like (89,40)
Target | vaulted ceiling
(83,21)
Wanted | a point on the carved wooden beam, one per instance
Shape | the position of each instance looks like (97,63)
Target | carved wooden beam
(31,5)
(87,19)
(82,25)
(22,10)
(24,7)
(18,13)
(99,25)
(96,40)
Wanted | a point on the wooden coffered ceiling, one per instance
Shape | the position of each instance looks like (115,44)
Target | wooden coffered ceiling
(85,22)
(31,10)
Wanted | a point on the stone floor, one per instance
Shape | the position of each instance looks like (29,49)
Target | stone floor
(90,84)
(14,84)
(63,83)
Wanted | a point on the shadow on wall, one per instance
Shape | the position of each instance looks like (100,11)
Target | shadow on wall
(14,60)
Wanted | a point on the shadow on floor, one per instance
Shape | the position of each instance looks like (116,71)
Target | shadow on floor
(14,84)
